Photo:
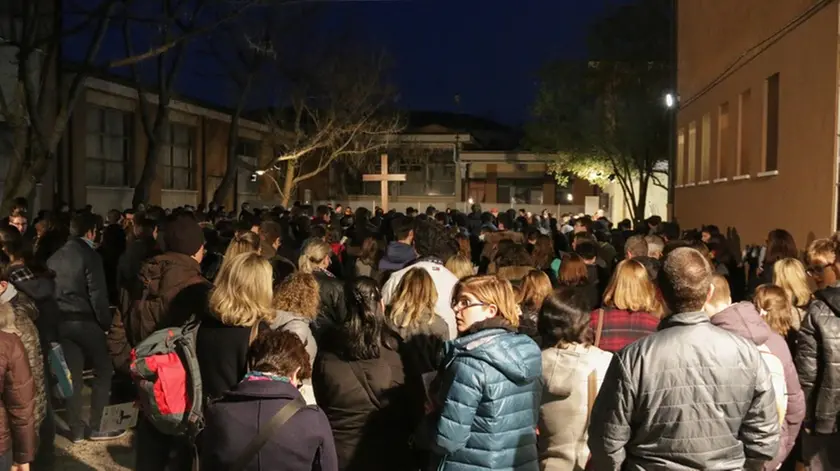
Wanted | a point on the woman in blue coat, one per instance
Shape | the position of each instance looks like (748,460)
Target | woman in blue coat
(489,384)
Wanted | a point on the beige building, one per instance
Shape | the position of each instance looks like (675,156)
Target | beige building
(758,116)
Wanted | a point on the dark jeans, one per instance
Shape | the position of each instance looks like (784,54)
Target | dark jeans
(6,461)
(155,451)
(820,452)
(45,457)
(81,341)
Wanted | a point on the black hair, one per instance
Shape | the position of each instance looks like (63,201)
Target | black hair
(432,240)
(565,317)
(587,250)
(83,223)
(362,328)
(402,227)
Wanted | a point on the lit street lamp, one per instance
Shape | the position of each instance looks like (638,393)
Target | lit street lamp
(670,100)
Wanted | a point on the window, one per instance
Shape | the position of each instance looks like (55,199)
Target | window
(107,146)
(771,124)
(519,191)
(564,194)
(692,152)
(428,175)
(706,148)
(723,147)
(742,166)
(248,151)
(177,157)
(680,177)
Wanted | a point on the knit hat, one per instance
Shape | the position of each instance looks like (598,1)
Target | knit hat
(183,235)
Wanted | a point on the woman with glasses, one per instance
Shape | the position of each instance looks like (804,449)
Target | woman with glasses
(488,387)
(817,358)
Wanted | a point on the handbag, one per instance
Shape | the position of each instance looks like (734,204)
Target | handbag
(280,418)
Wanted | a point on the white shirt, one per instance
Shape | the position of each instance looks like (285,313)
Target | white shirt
(444,282)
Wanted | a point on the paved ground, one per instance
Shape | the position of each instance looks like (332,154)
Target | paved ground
(115,455)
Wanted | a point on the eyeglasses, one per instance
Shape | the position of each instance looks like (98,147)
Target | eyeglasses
(465,303)
(816,270)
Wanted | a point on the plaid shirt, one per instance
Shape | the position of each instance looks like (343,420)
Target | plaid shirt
(621,328)
(21,273)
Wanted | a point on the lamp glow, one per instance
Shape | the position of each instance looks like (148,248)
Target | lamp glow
(670,100)
(471,201)
(260,172)
(569,197)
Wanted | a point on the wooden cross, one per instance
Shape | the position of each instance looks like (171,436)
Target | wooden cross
(383,177)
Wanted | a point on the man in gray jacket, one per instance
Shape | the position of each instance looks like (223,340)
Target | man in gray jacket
(691,396)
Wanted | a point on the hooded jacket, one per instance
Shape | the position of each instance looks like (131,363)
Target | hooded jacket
(396,257)
(298,325)
(818,361)
(565,404)
(490,396)
(743,319)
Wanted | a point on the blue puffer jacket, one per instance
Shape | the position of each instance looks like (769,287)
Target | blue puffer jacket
(490,391)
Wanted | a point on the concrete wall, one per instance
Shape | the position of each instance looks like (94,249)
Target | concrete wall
(800,195)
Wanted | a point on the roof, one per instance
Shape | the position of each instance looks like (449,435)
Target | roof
(439,122)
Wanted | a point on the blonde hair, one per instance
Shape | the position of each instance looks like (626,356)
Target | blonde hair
(491,289)
(415,299)
(298,294)
(533,290)
(774,302)
(242,295)
(789,274)
(630,289)
(821,250)
(246,242)
(722,292)
(314,252)
(460,266)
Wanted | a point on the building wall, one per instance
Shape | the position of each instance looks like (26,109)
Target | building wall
(210,131)
(730,181)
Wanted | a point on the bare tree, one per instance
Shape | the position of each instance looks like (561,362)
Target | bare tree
(341,112)
(30,38)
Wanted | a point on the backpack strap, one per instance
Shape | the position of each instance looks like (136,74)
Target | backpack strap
(280,418)
(599,328)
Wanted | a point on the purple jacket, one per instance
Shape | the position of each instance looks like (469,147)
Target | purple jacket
(743,319)
(303,443)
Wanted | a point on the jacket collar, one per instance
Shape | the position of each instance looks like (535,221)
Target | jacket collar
(683,319)
(263,390)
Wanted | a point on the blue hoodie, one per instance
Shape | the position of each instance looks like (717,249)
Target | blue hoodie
(396,257)
(492,386)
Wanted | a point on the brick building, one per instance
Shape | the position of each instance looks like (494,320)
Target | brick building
(758,116)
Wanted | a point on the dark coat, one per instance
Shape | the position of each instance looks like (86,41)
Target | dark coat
(818,361)
(366,403)
(331,310)
(80,287)
(303,443)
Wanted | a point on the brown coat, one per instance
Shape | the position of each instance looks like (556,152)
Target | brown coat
(17,394)
(168,289)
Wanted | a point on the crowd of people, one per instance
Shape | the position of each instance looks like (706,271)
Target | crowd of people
(331,339)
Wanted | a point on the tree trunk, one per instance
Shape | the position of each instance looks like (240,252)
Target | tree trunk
(226,185)
(641,203)
(288,183)
(143,190)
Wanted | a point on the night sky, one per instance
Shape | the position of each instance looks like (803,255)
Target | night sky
(489,52)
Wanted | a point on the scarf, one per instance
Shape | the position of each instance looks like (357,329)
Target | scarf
(9,294)
(260,376)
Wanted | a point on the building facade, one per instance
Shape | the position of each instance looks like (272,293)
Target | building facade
(757,124)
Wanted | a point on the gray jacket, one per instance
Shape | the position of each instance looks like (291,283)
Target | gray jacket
(691,396)
(298,325)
